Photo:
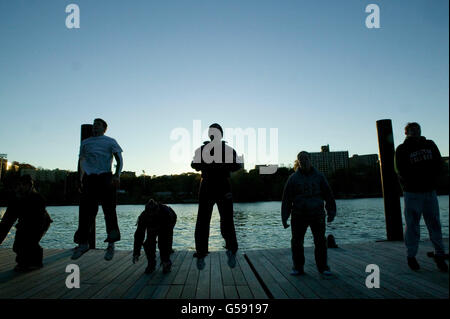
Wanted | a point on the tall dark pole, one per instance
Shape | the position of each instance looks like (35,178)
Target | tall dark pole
(86,131)
(389,181)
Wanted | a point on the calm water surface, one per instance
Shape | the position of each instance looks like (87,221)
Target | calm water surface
(258,225)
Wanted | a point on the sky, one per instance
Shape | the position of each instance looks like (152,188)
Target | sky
(311,69)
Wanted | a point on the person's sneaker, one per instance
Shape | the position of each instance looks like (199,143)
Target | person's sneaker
(231,259)
(166,267)
(413,264)
(109,254)
(200,263)
(296,272)
(440,263)
(80,250)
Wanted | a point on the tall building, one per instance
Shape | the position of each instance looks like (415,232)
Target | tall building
(357,161)
(328,162)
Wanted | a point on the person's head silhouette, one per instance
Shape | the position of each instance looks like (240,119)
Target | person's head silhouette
(215,132)
(412,129)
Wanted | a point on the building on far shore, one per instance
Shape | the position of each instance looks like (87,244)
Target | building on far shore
(45,175)
(329,162)
(358,161)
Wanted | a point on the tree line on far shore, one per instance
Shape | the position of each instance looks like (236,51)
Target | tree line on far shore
(248,186)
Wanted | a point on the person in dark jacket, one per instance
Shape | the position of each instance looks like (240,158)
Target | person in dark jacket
(303,199)
(28,208)
(158,220)
(216,161)
(418,163)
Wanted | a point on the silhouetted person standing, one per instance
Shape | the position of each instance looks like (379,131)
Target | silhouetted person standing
(98,185)
(29,208)
(158,220)
(418,164)
(215,160)
(303,198)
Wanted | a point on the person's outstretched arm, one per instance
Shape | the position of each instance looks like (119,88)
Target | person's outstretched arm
(119,166)
(286,204)
(330,203)
(8,220)
(139,236)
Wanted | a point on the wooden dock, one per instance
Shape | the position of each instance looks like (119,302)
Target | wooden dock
(260,274)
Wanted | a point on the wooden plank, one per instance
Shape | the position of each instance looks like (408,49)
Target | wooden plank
(322,287)
(244,292)
(8,275)
(190,286)
(174,292)
(22,283)
(227,275)
(108,275)
(252,282)
(216,277)
(182,274)
(55,287)
(285,266)
(230,292)
(421,280)
(94,272)
(388,281)
(356,277)
(126,279)
(146,292)
(90,271)
(271,283)
(204,280)
(160,292)
(389,259)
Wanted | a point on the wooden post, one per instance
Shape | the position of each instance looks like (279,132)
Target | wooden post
(389,181)
(86,131)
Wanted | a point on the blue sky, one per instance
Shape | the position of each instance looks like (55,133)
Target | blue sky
(309,68)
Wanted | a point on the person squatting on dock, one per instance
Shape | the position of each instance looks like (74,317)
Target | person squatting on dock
(28,207)
(158,220)
(216,161)
(303,200)
(98,185)
(418,163)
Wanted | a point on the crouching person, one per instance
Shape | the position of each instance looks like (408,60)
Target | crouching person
(158,220)
(28,207)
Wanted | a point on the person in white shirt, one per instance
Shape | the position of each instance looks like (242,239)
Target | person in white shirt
(98,186)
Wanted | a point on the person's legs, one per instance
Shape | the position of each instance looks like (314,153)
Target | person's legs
(87,214)
(205,207)
(412,211)
(88,209)
(320,243)
(29,253)
(227,229)
(432,220)
(433,223)
(150,252)
(108,201)
(164,249)
(298,229)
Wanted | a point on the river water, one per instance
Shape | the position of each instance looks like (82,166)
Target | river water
(258,225)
